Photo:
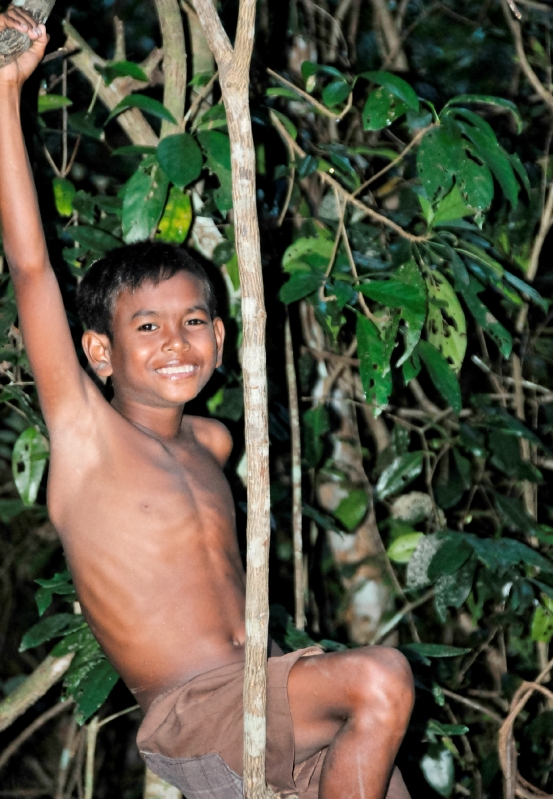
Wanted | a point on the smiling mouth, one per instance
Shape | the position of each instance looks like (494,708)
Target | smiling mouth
(174,371)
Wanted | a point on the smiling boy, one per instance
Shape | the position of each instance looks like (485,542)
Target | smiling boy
(146,517)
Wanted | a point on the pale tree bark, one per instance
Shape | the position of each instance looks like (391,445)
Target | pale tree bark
(234,65)
(174,62)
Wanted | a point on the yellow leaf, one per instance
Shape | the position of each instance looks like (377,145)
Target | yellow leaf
(177,217)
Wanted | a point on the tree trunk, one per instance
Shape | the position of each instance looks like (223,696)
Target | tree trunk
(234,65)
(12,42)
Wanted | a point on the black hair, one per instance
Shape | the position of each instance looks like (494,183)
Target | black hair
(128,268)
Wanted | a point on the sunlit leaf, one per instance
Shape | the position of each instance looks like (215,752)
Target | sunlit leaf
(64,192)
(52,102)
(177,217)
(401,550)
(445,322)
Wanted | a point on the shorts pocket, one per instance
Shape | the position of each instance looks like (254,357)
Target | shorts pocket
(206,777)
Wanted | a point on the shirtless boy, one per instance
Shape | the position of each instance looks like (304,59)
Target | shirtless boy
(146,517)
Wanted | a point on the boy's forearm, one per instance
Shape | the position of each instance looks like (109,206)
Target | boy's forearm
(20,222)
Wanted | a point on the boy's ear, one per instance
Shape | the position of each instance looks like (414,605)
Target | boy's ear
(219,330)
(97,349)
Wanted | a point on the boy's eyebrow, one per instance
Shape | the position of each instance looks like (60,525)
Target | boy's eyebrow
(147,312)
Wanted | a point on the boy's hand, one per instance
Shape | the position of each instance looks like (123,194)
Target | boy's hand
(18,71)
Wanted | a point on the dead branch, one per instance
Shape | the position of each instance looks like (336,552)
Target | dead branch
(174,63)
(13,42)
(39,722)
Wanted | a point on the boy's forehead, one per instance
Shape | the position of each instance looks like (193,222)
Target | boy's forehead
(181,290)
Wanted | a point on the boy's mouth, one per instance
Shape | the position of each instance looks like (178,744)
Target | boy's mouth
(187,368)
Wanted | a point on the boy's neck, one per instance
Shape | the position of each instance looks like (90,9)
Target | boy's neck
(163,423)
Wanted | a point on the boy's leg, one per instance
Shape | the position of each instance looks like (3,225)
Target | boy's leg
(357,703)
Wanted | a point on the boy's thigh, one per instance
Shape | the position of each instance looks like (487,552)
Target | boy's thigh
(324,690)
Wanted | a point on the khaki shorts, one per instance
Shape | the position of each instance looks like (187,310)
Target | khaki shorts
(192,735)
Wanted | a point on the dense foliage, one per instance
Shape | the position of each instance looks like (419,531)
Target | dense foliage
(405,196)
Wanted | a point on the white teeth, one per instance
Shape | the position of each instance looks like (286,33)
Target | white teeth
(176,370)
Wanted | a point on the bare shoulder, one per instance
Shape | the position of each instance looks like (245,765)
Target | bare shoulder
(213,435)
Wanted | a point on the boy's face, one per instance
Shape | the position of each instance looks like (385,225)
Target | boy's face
(165,344)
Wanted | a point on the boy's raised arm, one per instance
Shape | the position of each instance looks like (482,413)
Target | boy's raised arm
(59,378)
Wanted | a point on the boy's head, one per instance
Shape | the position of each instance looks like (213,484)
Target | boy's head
(152,325)
(128,268)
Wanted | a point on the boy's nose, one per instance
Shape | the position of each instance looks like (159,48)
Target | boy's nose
(177,342)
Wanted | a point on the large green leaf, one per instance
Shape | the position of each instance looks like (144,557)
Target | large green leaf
(143,203)
(177,217)
(64,192)
(395,86)
(52,102)
(374,354)
(394,294)
(303,249)
(121,69)
(381,109)
(438,158)
(29,456)
(216,146)
(352,509)
(180,158)
(50,627)
(442,374)
(92,238)
(336,92)
(147,104)
(300,285)
(454,553)
(491,152)
(446,325)
(94,689)
(402,471)
(486,319)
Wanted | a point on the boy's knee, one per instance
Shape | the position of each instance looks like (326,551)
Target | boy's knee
(385,685)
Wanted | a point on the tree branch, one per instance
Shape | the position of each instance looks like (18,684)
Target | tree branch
(174,63)
(219,42)
(13,42)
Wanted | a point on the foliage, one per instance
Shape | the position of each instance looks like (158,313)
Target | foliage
(422,318)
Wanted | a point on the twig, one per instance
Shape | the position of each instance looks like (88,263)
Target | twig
(91,736)
(474,705)
(321,355)
(415,140)
(326,178)
(390,625)
(295,442)
(506,379)
(322,109)
(199,98)
(39,722)
(516,31)
(546,221)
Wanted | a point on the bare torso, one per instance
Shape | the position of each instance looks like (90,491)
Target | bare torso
(149,533)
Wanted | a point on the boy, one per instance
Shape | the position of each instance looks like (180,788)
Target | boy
(137,493)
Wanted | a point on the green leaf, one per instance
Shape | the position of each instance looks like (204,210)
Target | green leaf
(92,238)
(94,689)
(394,85)
(381,109)
(307,166)
(85,123)
(300,285)
(64,192)
(143,203)
(438,158)
(453,206)
(488,99)
(446,325)
(29,456)
(401,550)
(442,374)
(413,318)
(494,156)
(146,104)
(316,424)
(515,515)
(134,149)
(475,180)
(447,730)
(10,508)
(336,92)
(402,471)
(394,294)
(352,509)
(180,158)
(542,624)
(52,102)
(486,319)
(216,146)
(177,217)
(121,69)
(438,769)
(51,627)
(528,291)
(287,123)
(454,553)
(452,590)
(304,247)
(374,355)
(281,91)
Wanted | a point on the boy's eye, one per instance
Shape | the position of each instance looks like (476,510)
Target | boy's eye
(196,322)
(148,326)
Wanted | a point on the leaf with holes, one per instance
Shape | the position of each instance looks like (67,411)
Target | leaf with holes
(402,471)
(374,355)
(442,374)
(446,325)
(381,109)
(394,85)
(438,159)
(394,293)
(486,319)
(29,456)
(94,689)
(452,206)
(488,99)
